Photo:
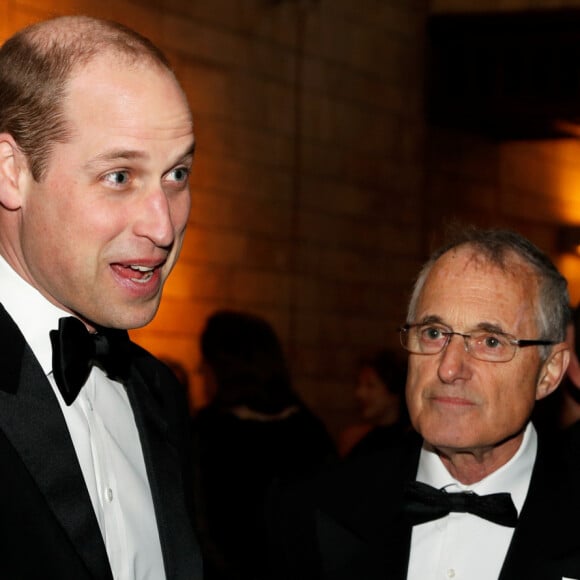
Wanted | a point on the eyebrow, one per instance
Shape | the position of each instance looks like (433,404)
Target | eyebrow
(490,327)
(433,319)
(187,153)
(130,155)
(115,155)
(485,326)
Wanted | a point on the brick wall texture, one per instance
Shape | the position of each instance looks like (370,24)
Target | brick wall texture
(317,189)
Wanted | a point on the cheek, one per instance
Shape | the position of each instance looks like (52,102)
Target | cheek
(180,207)
(515,403)
(43,231)
(417,375)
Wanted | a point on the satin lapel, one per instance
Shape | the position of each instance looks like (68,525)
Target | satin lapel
(32,421)
(162,459)
(542,545)
(524,545)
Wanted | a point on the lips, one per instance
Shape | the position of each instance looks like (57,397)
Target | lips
(452,397)
(459,401)
(138,275)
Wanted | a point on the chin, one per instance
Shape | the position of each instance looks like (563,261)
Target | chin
(127,320)
(135,323)
(442,438)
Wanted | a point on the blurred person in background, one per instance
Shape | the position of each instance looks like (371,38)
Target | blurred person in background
(255,430)
(380,397)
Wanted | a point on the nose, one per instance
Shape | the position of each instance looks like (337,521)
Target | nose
(454,364)
(154,219)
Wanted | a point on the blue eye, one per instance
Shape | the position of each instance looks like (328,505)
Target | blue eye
(489,341)
(117,177)
(431,333)
(179,174)
(492,341)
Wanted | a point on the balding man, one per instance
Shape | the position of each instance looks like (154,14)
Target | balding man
(474,493)
(96,147)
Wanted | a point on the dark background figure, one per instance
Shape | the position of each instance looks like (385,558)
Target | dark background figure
(255,430)
(380,396)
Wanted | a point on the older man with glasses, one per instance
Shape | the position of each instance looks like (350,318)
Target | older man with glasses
(477,495)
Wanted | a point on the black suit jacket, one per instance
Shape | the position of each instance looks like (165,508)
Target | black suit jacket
(48,528)
(347,524)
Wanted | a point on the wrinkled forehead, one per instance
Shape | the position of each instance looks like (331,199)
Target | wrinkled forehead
(468,261)
(468,286)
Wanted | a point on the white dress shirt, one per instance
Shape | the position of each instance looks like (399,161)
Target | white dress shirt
(462,546)
(103,431)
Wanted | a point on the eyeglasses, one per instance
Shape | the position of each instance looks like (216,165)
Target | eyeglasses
(481,344)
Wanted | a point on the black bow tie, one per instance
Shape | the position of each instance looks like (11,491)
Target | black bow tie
(423,503)
(75,351)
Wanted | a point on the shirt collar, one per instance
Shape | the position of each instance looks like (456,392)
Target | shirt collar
(513,477)
(31,311)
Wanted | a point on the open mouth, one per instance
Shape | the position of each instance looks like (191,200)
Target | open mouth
(142,274)
(135,273)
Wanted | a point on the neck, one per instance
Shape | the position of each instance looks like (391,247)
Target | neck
(472,465)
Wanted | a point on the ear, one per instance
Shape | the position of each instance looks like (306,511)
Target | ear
(12,163)
(553,370)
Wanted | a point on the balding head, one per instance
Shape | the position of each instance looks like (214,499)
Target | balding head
(36,65)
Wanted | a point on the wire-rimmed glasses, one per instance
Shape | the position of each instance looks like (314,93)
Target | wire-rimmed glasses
(485,345)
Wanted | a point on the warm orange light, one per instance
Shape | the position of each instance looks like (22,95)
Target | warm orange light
(546,173)
(569,266)
(564,187)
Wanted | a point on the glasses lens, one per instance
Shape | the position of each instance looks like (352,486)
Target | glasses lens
(424,338)
(491,346)
(482,345)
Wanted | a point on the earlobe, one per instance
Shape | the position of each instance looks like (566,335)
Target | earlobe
(553,370)
(11,159)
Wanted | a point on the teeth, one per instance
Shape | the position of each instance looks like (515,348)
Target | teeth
(141,268)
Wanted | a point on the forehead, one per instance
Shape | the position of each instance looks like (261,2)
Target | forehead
(137,99)
(465,289)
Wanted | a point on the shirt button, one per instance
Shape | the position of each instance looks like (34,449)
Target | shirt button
(109,494)
(451,573)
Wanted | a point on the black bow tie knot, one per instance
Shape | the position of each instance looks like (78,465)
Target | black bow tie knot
(75,351)
(423,503)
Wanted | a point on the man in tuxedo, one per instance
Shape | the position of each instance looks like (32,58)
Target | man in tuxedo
(96,147)
(474,493)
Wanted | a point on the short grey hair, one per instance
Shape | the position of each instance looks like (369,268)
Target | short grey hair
(498,247)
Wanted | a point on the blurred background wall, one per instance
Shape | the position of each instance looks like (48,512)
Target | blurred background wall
(319,186)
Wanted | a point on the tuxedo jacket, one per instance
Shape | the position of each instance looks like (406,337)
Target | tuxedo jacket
(348,524)
(48,528)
